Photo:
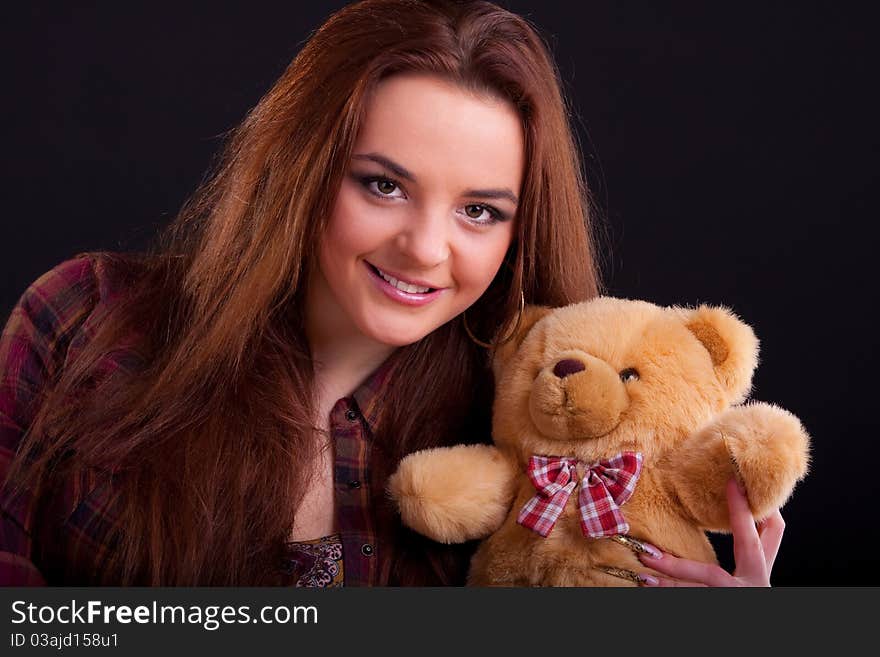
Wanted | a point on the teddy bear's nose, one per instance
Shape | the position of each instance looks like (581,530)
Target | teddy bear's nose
(568,366)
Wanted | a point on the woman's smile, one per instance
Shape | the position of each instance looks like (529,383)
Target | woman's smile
(401,290)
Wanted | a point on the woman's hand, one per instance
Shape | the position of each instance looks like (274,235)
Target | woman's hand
(754,549)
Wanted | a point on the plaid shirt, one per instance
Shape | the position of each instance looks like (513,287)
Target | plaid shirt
(54,317)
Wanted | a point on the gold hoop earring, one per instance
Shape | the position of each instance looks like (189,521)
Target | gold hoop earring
(490,345)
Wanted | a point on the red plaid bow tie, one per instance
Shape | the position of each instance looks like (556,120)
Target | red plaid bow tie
(606,486)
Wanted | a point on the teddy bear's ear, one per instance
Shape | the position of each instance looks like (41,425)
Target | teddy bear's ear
(503,353)
(731,343)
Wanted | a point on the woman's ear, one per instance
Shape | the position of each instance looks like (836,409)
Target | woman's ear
(504,352)
(731,344)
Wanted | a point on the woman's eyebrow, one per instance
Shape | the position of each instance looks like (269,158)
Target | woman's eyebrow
(401,171)
(388,163)
(492,193)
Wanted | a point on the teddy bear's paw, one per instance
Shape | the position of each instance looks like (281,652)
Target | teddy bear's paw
(454,494)
(770,451)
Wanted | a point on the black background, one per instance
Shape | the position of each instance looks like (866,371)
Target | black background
(731,149)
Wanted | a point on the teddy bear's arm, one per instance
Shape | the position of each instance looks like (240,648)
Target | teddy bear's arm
(765,446)
(454,494)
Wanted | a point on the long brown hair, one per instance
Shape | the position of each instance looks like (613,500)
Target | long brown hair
(206,439)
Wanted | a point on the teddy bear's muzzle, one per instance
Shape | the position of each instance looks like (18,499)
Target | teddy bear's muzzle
(577,397)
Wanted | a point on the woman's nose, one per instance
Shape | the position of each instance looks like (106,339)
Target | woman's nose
(425,238)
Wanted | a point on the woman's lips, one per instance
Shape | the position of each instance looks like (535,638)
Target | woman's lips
(406,298)
(387,273)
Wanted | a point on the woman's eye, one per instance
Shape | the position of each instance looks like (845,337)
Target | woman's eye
(481,214)
(382,187)
(629,374)
(385,187)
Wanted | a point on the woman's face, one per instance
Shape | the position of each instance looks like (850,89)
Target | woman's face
(425,212)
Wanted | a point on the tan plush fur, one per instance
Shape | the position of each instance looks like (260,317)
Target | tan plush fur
(683,412)
(454,494)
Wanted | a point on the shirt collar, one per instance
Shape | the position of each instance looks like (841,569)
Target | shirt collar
(370,395)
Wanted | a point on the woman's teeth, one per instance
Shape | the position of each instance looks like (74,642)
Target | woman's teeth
(400,285)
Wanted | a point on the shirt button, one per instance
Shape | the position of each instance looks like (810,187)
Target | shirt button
(367,550)
(351,415)
(354,484)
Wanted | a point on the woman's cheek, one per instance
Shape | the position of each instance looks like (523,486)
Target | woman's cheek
(354,223)
(476,266)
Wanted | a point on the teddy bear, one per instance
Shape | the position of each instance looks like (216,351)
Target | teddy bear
(615,421)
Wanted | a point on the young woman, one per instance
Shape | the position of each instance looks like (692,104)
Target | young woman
(225,409)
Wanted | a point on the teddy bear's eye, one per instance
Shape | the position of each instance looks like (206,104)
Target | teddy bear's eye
(629,374)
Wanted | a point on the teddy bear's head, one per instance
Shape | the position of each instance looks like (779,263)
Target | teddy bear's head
(591,379)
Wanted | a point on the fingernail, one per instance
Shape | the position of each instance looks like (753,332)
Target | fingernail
(740,486)
(648,580)
(650,550)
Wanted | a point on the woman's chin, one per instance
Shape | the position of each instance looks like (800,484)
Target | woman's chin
(398,336)
(399,340)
